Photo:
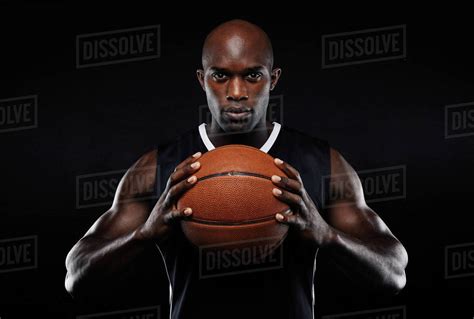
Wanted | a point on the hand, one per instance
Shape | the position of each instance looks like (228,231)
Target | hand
(165,213)
(303,216)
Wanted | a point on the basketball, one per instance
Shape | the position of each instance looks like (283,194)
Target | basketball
(232,200)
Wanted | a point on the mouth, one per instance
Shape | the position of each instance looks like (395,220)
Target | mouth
(241,109)
(235,113)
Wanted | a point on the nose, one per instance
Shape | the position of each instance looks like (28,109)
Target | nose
(236,90)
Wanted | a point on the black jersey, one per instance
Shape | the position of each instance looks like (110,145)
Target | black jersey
(285,290)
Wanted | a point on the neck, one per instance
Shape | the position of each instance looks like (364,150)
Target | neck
(256,137)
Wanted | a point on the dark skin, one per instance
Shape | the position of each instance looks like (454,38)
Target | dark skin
(238,73)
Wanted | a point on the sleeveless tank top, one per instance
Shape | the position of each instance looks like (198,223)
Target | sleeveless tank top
(285,290)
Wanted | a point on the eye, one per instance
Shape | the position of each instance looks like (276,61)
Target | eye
(219,76)
(254,75)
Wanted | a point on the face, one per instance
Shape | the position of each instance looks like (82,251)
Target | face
(237,79)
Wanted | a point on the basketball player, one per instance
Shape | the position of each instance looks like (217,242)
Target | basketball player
(237,76)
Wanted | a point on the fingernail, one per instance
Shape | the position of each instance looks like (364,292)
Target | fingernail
(276,191)
(195,164)
(197,154)
(278,161)
(188,211)
(192,179)
(279,217)
(276,178)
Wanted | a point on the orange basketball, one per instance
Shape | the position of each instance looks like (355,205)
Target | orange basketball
(232,200)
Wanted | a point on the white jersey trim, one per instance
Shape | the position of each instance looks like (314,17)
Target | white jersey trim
(265,148)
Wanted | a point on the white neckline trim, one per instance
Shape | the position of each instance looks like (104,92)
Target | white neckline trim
(205,139)
(265,148)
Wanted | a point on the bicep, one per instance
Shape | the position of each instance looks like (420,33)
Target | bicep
(131,205)
(347,209)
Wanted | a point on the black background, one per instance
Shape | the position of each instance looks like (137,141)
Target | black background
(103,118)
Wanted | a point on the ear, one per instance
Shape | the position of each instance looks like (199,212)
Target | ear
(200,77)
(276,73)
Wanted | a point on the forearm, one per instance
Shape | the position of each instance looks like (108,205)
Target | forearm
(379,262)
(93,259)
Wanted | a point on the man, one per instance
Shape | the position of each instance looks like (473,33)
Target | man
(237,76)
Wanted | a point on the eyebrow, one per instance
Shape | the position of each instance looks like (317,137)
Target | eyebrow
(246,70)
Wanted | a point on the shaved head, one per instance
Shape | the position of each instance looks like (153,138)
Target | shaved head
(237,75)
(233,38)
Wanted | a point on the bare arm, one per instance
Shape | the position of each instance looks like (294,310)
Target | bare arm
(361,243)
(122,233)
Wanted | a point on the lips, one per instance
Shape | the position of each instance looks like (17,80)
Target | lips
(233,109)
(237,116)
(237,113)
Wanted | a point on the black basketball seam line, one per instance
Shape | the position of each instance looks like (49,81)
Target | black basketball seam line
(234,173)
(244,222)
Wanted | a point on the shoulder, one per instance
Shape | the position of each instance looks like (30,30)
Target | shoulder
(140,177)
(338,162)
(339,165)
(296,136)
(148,162)
(345,184)
(171,149)
(147,159)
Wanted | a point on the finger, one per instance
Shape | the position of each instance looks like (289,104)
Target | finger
(188,160)
(291,220)
(177,190)
(288,184)
(293,200)
(183,171)
(177,214)
(289,170)
(286,212)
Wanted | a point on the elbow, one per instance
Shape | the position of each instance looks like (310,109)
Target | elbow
(70,281)
(398,278)
(390,286)
(397,284)
(394,280)
(77,288)
(71,285)
(73,280)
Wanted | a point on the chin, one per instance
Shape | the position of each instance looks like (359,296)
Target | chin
(237,127)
